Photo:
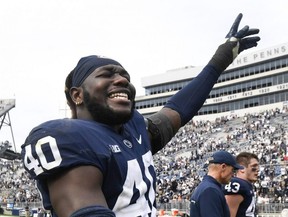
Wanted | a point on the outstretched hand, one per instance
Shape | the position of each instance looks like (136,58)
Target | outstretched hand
(243,42)
(236,42)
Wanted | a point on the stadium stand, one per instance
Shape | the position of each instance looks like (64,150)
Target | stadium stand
(5,106)
(7,153)
(180,166)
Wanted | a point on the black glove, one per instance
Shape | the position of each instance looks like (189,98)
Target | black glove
(236,42)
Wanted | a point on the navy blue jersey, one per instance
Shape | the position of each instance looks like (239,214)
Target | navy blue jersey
(66,143)
(245,189)
(208,200)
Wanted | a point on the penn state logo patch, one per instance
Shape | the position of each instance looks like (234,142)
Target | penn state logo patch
(127,143)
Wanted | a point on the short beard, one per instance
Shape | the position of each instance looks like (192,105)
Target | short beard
(103,113)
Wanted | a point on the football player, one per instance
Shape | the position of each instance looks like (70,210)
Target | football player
(208,198)
(239,193)
(99,162)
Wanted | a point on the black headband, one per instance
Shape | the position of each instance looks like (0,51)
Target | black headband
(87,65)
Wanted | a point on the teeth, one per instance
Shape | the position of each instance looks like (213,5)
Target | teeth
(119,95)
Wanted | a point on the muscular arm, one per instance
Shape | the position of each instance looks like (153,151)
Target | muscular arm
(233,202)
(75,189)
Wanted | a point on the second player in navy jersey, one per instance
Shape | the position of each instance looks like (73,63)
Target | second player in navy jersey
(208,199)
(239,193)
(99,162)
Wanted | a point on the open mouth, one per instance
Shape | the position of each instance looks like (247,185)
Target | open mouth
(119,95)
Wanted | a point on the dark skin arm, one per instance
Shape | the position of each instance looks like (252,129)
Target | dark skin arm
(77,188)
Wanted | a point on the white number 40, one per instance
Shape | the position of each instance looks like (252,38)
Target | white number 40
(32,163)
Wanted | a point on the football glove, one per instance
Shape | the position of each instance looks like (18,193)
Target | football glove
(236,42)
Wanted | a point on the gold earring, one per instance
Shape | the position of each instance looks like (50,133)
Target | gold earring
(78,103)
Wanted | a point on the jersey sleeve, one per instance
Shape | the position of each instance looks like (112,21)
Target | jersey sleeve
(57,145)
(235,186)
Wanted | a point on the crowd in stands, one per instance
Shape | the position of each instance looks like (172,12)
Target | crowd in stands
(180,166)
(15,184)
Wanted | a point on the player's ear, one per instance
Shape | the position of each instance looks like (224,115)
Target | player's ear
(76,94)
(242,170)
(223,166)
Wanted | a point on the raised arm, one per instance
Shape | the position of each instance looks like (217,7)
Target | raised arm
(182,107)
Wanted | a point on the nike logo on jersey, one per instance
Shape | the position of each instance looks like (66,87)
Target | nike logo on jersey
(139,140)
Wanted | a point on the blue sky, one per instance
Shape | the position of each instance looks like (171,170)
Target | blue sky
(42,40)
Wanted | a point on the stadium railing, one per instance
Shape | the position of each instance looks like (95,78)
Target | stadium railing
(264,210)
